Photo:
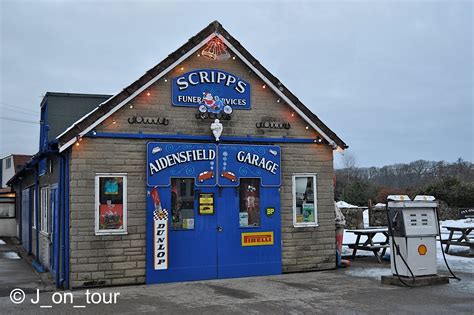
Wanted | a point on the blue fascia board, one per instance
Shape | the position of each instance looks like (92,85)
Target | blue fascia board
(178,136)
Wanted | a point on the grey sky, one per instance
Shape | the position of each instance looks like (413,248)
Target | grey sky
(392,79)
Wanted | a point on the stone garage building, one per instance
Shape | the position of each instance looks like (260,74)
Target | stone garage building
(205,167)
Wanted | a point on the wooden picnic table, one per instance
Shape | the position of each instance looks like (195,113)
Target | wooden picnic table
(463,240)
(370,244)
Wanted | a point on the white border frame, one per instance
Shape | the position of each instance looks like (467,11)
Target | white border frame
(124,230)
(316,210)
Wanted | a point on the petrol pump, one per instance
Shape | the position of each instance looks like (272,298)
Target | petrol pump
(413,228)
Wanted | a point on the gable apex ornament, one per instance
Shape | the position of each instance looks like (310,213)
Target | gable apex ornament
(215,50)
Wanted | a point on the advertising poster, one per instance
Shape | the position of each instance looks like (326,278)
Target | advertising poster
(206,203)
(160,236)
(111,203)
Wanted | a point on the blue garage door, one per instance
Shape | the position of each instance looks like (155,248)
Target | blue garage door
(230,228)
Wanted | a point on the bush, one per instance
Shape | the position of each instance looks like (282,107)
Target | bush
(452,191)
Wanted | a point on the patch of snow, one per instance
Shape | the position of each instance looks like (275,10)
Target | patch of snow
(2,242)
(345,205)
(10,255)
(457,263)
(469,223)
(372,272)
(365,214)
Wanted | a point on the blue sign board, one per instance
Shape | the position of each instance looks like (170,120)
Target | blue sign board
(166,160)
(211,164)
(211,90)
(236,161)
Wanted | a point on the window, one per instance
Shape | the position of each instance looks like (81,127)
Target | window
(44,210)
(7,210)
(42,167)
(182,203)
(305,211)
(8,163)
(249,213)
(110,204)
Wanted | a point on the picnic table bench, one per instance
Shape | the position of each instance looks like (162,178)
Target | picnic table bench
(370,244)
(463,240)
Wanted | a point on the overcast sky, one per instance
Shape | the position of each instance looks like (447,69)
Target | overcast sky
(393,79)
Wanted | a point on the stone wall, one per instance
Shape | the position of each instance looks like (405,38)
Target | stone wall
(354,217)
(377,217)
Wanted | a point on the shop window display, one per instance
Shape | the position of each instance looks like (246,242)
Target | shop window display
(304,200)
(111,206)
(249,214)
(182,203)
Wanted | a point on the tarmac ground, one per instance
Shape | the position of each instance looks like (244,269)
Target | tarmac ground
(356,289)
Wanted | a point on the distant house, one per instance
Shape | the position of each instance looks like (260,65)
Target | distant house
(8,216)
(11,164)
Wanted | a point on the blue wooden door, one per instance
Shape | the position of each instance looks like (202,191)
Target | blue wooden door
(237,258)
(26,219)
(192,245)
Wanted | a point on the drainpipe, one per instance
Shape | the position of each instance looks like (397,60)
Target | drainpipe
(61,218)
(66,219)
(37,210)
(57,226)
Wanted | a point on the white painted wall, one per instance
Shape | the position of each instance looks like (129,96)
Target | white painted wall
(8,227)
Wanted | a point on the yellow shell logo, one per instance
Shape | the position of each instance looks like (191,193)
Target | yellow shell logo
(422,250)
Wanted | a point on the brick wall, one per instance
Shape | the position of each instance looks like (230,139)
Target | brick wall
(121,259)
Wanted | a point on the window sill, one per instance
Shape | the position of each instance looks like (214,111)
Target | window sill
(305,225)
(44,233)
(103,233)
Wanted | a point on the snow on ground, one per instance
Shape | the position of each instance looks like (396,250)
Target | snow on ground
(365,214)
(457,223)
(457,263)
(9,255)
(2,242)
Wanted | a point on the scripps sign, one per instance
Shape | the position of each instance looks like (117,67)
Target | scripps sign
(212,88)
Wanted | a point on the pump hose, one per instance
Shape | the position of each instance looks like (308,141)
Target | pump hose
(442,250)
(396,250)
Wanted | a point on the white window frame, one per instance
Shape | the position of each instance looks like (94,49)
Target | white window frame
(315,182)
(8,162)
(122,231)
(44,209)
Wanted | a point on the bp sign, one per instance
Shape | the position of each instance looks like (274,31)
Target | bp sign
(211,90)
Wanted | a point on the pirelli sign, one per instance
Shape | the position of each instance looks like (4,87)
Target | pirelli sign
(257,238)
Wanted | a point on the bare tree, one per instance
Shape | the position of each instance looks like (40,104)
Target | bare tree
(349,163)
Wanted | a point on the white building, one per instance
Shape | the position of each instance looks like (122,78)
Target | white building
(9,165)
(8,216)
